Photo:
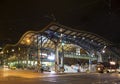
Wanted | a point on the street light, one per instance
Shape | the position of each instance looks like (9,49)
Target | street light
(28,41)
(1,52)
(13,50)
(103,51)
(19,49)
(7,51)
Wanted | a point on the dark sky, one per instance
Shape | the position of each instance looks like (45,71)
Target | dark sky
(96,16)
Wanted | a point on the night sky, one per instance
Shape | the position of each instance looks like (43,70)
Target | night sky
(96,16)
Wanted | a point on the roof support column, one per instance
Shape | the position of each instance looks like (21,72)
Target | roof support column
(41,57)
(56,58)
(90,64)
(99,57)
(62,59)
(39,54)
(91,54)
(27,57)
(78,50)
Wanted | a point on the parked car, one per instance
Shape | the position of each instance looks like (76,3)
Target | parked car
(5,66)
(118,70)
(46,68)
(13,68)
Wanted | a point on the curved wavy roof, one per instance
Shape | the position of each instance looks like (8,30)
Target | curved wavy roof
(53,28)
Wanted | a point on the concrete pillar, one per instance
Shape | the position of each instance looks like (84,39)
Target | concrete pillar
(62,59)
(90,65)
(99,57)
(38,55)
(27,58)
(56,59)
(78,50)
(91,54)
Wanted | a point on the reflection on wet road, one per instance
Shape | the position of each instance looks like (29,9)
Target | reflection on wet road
(31,77)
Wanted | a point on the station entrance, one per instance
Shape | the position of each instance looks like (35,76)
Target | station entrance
(59,48)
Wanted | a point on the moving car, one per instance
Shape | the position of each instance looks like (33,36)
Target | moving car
(106,67)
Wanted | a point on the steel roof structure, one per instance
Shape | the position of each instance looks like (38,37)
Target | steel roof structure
(55,33)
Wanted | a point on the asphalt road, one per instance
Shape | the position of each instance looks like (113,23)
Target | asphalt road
(32,77)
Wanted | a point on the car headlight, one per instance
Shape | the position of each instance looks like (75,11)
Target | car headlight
(98,69)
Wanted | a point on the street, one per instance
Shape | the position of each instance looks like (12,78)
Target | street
(31,77)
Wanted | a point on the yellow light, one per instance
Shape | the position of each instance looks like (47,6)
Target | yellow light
(7,51)
(28,41)
(19,48)
(2,52)
(13,50)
